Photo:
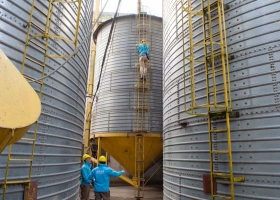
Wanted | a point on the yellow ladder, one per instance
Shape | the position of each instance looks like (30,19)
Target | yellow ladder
(224,176)
(139,166)
(215,48)
(142,107)
(142,86)
(218,103)
(36,41)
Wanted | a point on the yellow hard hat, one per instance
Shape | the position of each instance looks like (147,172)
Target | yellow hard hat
(85,156)
(143,41)
(102,159)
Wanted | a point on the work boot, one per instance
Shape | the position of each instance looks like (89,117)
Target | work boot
(141,77)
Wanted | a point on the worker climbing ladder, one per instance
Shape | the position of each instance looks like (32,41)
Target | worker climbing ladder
(38,38)
(218,105)
(142,100)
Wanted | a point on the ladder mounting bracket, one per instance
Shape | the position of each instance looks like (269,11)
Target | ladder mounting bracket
(222,115)
(183,123)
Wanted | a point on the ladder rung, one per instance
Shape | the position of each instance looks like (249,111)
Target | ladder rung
(217,90)
(220,151)
(213,35)
(220,175)
(239,179)
(214,53)
(223,176)
(20,159)
(222,197)
(28,139)
(32,79)
(216,17)
(141,86)
(139,160)
(41,64)
(40,10)
(218,131)
(219,70)
(139,31)
(17,182)
(38,27)
(141,108)
(212,5)
(216,71)
(38,45)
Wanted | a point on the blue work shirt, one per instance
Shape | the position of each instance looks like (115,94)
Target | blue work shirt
(85,172)
(101,176)
(143,49)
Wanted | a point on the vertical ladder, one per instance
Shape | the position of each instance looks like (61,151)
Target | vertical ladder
(142,86)
(139,166)
(40,42)
(218,97)
(218,90)
(142,98)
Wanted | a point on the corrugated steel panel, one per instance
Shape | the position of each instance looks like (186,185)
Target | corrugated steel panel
(253,39)
(113,110)
(56,163)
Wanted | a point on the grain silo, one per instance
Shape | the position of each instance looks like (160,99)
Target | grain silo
(37,36)
(221,99)
(127,111)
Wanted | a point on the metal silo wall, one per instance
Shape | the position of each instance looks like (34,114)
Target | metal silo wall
(57,155)
(113,110)
(253,39)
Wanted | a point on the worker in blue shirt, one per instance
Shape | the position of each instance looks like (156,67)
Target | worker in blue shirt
(143,50)
(85,181)
(101,175)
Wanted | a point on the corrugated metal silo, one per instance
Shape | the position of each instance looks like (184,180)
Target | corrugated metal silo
(57,154)
(252,29)
(113,110)
(113,114)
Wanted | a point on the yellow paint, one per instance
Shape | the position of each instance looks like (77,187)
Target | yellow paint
(128,180)
(87,127)
(20,104)
(121,146)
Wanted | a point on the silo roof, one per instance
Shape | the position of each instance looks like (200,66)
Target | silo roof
(119,17)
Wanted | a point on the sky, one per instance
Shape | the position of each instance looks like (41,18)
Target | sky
(130,6)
